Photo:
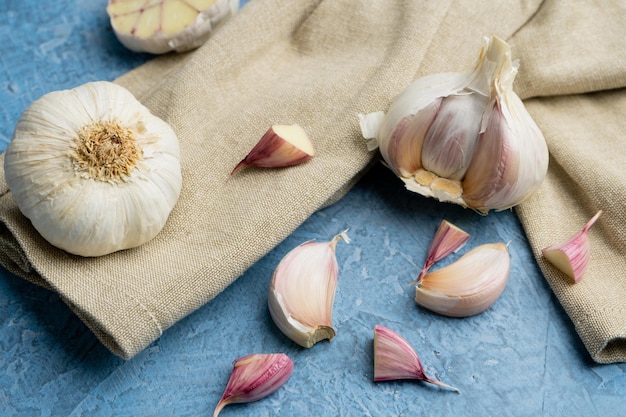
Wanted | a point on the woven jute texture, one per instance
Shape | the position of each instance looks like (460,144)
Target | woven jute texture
(319,63)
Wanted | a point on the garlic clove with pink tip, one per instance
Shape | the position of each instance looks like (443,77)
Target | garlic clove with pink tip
(395,359)
(255,377)
(572,256)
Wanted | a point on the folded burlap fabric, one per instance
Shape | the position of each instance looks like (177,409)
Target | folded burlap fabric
(319,63)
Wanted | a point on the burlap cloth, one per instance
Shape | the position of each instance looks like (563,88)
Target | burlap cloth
(319,63)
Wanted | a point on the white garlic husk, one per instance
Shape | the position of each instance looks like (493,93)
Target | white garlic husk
(464,138)
(93,169)
(160,26)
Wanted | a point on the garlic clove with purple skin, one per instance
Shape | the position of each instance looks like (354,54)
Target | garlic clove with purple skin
(302,291)
(281,146)
(255,377)
(572,256)
(395,359)
(448,239)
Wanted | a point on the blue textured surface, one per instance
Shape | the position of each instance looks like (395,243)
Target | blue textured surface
(520,358)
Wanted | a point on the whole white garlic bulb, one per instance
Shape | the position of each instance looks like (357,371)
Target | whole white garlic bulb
(93,169)
(465,138)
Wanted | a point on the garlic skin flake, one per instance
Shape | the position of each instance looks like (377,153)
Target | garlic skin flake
(464,138)
(302,291)
(255,377)
(93,169)
(572,256)
(160,26)
(395,359)
(468,286)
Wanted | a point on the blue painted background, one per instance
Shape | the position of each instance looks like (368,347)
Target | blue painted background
(520,358)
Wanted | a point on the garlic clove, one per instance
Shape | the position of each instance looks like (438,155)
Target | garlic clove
(395,359)
(450,139)
(468,286)
(302,291)
(281,146)
(160,26)
(572,256)
(448,239)
(480,143)
(404,150)
(510,160)
(255,377)
(93,170)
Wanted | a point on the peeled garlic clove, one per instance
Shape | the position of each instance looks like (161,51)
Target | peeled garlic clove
(448,238)
(302,292)
(281,146)
(255,377)
(93,169)
(160,26)
(395,359)
(464,138)
(468,286)
(572,256)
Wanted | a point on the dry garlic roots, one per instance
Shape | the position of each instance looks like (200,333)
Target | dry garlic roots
(93,169)
(464,138)
(160,26)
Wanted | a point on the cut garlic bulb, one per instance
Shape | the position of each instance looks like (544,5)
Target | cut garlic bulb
(302,292)
(468,286)
(464,138)
(572,256)
(395,359)
(93,169)
(281,146)
(160,26)
(255,377)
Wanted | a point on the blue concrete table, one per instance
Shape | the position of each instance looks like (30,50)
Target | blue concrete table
(520,358)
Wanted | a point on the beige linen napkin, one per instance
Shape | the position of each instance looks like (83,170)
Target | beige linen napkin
(313,62)
(573,60)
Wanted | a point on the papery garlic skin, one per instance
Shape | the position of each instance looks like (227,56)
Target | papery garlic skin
(255,377)
(464,138)
(160,26)
(395,359)
(302,292)
(572,256)
(467,286)
(93,169)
